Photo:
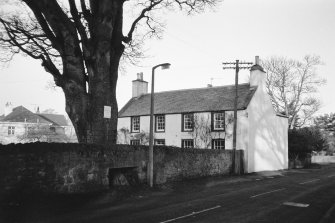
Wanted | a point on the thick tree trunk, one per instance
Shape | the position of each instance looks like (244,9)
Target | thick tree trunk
(85,104)
(86,109)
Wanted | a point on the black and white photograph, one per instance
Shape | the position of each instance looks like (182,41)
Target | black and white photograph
(159,111)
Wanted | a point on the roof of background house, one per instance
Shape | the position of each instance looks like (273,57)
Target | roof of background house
(2,117)
(21,114)
(190,100)
(55,119)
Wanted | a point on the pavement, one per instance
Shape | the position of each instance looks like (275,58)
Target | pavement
(298,195)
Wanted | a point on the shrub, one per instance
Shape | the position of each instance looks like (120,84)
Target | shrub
(305,140)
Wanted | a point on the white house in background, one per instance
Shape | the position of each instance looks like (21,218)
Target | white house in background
(203,118)
(20,125)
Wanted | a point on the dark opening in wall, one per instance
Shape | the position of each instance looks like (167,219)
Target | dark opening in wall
(123,176)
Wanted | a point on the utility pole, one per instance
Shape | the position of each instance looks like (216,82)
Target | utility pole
(237,67)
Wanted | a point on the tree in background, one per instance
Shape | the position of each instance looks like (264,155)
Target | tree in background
(49,111)
(326,124)
(44,133)
(292,85)
(304,140)
(81,43)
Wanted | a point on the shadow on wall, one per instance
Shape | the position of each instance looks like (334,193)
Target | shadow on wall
(269,138)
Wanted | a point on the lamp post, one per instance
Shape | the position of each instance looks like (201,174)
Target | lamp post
(151,134)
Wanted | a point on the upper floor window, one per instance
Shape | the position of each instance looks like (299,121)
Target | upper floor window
(187,143)
(11,130)
(218,122)
(159,142)
(187,122)
(135,142)
(135,124)
(160,123)
(218,144)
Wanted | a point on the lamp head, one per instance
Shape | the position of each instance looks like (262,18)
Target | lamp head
(165,66)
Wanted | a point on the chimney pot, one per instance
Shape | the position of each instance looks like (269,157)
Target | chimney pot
(257,60)
(140,76)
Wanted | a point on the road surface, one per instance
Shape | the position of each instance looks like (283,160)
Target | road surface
(304,195)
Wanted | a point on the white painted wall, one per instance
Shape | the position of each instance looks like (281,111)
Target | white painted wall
(268,137)
(260,132)
(173,130)
(19,131)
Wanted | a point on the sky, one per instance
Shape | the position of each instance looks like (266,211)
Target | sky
(197,45)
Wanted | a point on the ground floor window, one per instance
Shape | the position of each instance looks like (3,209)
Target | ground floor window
(218,144)
(187,143)
(135,142)
(159,142)
(11,130)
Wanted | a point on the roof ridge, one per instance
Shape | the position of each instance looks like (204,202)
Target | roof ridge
(48,114)
(193,89)
(189,100)
(49,118)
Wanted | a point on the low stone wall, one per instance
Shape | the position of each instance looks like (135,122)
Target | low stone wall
(323,159)
(71,168)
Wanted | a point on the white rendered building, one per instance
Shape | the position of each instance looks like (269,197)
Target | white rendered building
(203,118)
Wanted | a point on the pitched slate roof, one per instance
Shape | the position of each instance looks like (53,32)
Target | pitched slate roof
(56,119)
(21,114)
(190,100)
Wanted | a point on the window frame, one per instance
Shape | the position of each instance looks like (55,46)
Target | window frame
(132,124)
(216,140)
(11,130)
(187,140)
(135,140)
(156,140)
(213,121)
(156,123)
(183,122)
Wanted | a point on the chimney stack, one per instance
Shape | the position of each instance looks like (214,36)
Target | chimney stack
(8,108)
(257,74)
(139,86)
(257,60)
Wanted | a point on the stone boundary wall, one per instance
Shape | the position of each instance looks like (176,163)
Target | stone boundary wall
(323,159)
(76,168)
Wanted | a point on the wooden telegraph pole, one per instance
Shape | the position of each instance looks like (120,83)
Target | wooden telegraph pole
(237,67)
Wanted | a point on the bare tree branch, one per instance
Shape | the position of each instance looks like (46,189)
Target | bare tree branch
(291,85)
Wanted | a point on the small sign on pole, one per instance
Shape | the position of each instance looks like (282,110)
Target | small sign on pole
(107,111)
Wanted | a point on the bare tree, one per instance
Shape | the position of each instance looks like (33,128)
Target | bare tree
(81,43)
(292,85)
(43,133)
(49,111)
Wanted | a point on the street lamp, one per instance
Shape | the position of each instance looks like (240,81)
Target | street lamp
(151,134)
